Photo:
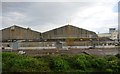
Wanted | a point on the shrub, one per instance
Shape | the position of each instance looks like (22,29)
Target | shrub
(29,64)
(12,62)
(118,55)
(81,62)
(59,64)
(99,63)
(21,63)
(113,63)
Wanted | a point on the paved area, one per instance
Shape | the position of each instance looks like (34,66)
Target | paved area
(102,51)
(99,51)
(64,47)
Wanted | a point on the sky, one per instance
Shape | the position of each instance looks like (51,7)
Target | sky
(44,15)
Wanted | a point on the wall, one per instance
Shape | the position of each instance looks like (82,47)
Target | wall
(16,32)
(68,31)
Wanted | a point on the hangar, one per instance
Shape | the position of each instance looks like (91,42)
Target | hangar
(19,33)
(68,31)
(69,36)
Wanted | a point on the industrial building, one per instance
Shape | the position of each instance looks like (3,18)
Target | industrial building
(113,34)
(68,31)
(67,35)
(19,33)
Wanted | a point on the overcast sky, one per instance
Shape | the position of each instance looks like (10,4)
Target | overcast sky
(44,16)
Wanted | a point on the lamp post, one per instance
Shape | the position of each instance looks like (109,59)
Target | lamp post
(98,42)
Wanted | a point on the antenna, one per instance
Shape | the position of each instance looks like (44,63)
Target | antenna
(13,24)
(69,21)
(98,32)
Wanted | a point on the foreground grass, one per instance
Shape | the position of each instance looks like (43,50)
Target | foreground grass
(12,62)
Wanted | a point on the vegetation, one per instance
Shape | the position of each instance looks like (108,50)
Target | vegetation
(12,62)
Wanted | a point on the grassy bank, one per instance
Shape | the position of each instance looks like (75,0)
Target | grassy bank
(12,62)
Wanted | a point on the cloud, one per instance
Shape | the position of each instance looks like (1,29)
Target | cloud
(44,16)
(100,17)
(59,0)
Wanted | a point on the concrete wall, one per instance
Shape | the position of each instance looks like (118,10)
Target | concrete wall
(53,44)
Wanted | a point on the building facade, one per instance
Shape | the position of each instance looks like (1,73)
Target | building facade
(19,33)
(113,34)
(68,31)
(69,36)
(108,35)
